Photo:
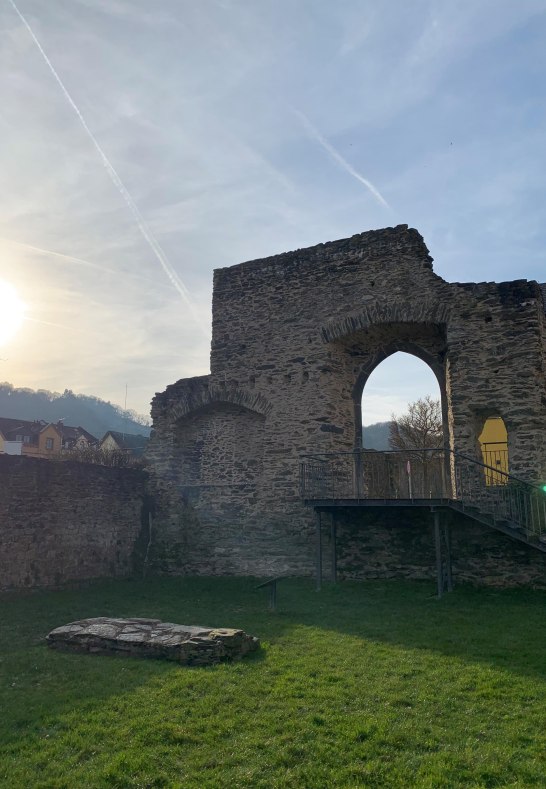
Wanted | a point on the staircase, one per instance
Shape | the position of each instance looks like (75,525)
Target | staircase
(500,500)
(429,477)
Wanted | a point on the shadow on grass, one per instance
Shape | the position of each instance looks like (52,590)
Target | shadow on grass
(503,629)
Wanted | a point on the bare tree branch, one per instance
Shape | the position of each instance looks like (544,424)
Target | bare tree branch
(419,428)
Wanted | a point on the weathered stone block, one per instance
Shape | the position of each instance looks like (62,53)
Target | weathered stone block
(193,646)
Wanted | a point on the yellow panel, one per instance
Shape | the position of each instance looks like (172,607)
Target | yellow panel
(494,444)
(494,431)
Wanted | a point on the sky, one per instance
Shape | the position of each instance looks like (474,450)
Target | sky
(145,144)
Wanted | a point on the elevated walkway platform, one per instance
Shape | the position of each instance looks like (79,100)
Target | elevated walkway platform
(434,479)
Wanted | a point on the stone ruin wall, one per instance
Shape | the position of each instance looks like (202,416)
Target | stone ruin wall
(294,338)
(65,522)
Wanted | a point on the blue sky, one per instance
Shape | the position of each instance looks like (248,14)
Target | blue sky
(243,128)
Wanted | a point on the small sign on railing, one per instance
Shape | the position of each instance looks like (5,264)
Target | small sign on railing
(408,469)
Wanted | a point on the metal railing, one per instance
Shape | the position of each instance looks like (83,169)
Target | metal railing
(368,474)
(422,474)
(495,456)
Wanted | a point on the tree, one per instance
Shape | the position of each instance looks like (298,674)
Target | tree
(100,457)
(419,428)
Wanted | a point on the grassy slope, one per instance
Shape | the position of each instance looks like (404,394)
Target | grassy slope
(375,684)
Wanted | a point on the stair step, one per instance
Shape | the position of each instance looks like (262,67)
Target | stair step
(511,525)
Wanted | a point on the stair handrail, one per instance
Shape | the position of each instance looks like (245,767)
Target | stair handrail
(496,470)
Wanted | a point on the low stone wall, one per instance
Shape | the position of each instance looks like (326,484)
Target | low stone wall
(63,522)
(399,543)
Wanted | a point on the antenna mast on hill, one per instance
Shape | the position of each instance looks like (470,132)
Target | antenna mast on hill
(125,413)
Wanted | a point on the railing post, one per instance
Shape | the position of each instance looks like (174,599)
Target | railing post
(449,474)
(359,475)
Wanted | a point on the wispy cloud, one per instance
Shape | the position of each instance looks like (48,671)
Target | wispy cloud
(116,180)
(314,133)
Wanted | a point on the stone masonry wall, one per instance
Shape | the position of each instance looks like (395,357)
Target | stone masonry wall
(399,543)
(65,522)
(295,337)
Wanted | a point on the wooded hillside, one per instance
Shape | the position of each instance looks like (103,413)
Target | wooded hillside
(95,415)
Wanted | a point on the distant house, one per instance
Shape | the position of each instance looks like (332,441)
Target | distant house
(40,438)
(76,437)
(20,436)
(114,441)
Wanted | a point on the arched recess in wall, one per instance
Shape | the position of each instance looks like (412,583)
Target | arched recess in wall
(219,446)
(388,384)
(493,441)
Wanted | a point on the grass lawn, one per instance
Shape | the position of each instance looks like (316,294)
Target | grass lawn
(365,684)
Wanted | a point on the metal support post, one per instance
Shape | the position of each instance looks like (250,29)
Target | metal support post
(449,576)
(273,596)
(439,563)
(333,530)
(318,534)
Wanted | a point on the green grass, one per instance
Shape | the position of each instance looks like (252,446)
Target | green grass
(373,684)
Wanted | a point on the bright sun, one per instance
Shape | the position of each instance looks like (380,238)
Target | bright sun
(12,312)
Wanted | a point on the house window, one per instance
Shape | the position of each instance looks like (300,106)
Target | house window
(26,439)
(18,437)
(49,443)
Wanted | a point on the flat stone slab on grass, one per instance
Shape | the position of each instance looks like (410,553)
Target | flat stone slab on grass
(193,646)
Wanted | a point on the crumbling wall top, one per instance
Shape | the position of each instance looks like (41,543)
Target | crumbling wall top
(370,245)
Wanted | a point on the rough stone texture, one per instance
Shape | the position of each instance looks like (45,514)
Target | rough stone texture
(295,338)
(399,543)
(64,522)
(193,646)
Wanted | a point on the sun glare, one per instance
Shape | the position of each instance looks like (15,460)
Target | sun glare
(12,312)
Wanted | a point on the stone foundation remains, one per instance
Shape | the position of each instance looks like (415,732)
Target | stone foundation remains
(193,646)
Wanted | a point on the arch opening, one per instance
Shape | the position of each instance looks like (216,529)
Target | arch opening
(400,380)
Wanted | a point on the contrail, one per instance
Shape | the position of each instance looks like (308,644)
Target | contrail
(61,326)
(73,259)
(61,255)
(316,135)
(118,183)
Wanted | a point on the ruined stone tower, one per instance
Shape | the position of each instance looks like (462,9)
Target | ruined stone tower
(295,337)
